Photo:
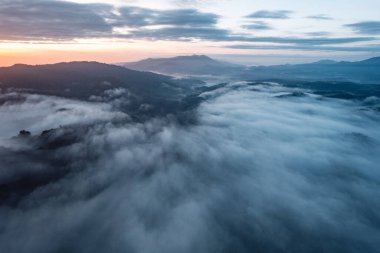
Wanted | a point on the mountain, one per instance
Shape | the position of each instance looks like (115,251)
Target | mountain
(93,81)
(326,62)
(81,79)
(186,65)
(371,61)
(201,66)
(342,90)
(367,71)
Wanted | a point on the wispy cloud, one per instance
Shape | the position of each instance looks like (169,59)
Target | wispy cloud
(141,17)
(310,47)
(65,21)
(267,14)
(369,27)
(258,25)
(43,19)
(320,17)
(318,34)
(303,41)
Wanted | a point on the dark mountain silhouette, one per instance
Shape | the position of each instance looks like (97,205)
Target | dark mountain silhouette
(326,62)
(186,65)
(148,95)
(82,79)
(86,80)
(367,71)
(341,90)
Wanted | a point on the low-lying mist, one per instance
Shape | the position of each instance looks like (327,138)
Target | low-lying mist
(265,168)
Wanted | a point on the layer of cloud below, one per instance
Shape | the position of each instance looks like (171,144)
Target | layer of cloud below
(262,171)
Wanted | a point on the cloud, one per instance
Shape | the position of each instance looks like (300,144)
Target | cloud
(309,47)
(223,35)
(324,41)
(140,17)
(318,34)
(320,17)
(266,14)
(266,169)
(302,41)
(370,27)
(40,112)
(181,33)
(258,25)
(63,20)
(60,20)
(66,21)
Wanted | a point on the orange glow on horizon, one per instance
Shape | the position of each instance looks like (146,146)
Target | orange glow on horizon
(35,57)
(116,51)
(97,50)
(44,53)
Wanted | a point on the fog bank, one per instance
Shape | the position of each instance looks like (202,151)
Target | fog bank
(265,169)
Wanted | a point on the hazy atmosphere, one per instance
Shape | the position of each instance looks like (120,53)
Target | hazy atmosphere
(241,31)
(189,126)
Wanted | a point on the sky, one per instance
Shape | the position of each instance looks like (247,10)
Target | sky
(242,31)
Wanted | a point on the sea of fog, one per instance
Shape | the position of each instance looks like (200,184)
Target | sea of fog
(265,168)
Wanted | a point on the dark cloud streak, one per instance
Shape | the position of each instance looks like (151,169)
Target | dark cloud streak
(310,47)
(45,20)
(140,17)
(267,14)
(370,27)
(320,17)
(258,25)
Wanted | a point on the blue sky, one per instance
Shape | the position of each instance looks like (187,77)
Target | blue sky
(251,32)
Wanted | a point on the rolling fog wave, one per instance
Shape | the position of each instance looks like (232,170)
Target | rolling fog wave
(265,169)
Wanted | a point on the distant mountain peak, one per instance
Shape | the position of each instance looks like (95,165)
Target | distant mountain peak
(200,56)
(19,65)
(326,62)
(185,64)
(192,57)
(372,60)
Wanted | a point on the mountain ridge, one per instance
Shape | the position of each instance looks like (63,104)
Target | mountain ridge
(93,81)
(185,65)
(203,67)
